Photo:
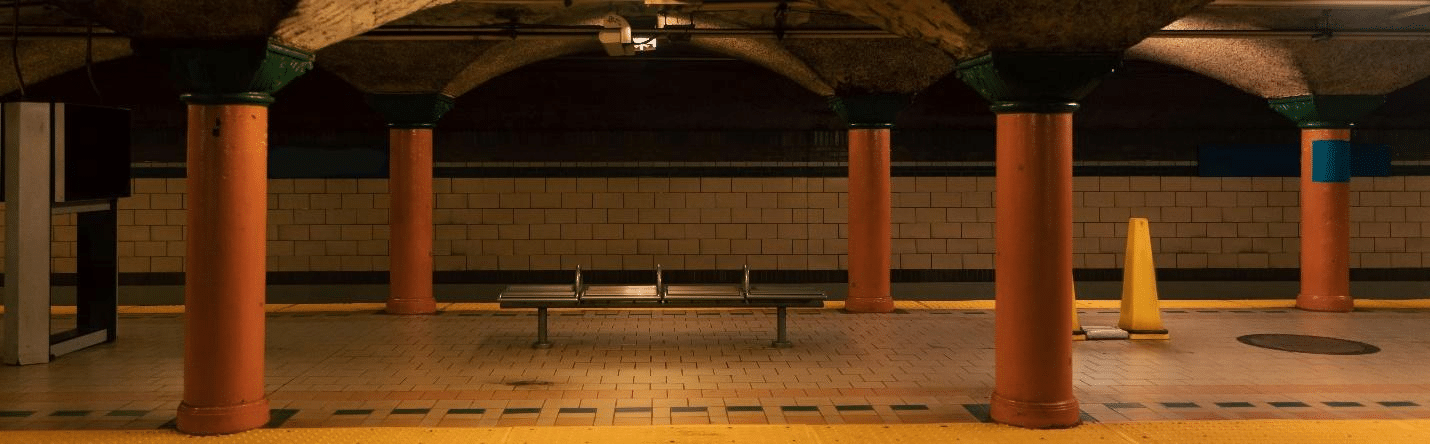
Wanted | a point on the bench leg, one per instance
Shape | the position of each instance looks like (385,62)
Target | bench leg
(782,335)
(541,341)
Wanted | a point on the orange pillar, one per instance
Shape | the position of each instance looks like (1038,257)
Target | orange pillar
(870,218)
(410,218)
(1325,194)
(224,270)
(1034,95)
(1033,363)
(1325,232)
(228,87)
(410,118)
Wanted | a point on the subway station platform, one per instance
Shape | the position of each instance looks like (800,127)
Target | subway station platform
(469,374)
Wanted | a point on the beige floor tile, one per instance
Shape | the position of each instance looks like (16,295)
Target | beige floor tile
(607,359)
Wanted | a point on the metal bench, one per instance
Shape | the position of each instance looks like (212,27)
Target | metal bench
(580,294)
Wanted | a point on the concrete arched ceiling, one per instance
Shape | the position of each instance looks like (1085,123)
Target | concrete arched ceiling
(885,65)
(767,53)
(400,66)
(405,66)
(315,24)
(305,24)
(42,59)
(508,56)
(186,19)
(966,28)
(929,21)
(503,57)
(1055,25)
(830,66)
(1346,17)
(855,66)
(1275,68)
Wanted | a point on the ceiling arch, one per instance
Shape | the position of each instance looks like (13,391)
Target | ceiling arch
(1276,68)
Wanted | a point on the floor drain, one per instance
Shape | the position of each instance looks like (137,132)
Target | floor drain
(526,383)
(1319,345)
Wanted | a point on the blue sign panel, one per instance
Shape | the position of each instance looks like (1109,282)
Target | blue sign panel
(1330,161)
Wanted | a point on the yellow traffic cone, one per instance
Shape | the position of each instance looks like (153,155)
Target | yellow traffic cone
(1141,315)
(1078,333)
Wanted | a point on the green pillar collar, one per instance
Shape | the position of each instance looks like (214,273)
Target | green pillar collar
(1036,82)
(1326,111)
(869,110)
(231,72)
(416,110)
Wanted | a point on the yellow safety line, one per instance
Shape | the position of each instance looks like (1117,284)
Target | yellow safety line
(1238,431)
(831,305)
(308,308)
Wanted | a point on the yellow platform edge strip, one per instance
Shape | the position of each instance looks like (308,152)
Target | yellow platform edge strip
(831,305)
(1299,431)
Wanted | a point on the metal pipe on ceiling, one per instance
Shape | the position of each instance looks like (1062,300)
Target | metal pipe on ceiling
(489,34)
(1312,4)
(419,34)
(498,33)
(689,5)
(742,4)
(1319,4)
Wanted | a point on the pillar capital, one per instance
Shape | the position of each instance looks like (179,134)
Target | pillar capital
(231,71)
(1036,82)
(411,110)
(877,110)
(1326,111)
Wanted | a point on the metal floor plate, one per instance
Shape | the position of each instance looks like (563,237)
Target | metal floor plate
(1319,345)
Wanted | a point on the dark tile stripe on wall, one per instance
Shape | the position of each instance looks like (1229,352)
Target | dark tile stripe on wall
(645,145)
(691,171)
(1410,170)
(140,172)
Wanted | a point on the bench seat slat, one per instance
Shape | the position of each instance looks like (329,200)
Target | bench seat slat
(554,300)
(611,290)
(622,297)
(539,288)
(634,293)
(702,289)
(705,297)
(538,293)
(703,293)
(785,293)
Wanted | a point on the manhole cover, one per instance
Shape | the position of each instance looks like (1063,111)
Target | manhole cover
(1319,345)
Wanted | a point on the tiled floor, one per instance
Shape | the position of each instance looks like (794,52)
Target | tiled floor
(632,367)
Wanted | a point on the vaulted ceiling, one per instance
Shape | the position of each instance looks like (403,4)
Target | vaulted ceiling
(1271,48)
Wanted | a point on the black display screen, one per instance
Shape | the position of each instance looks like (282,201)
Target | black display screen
(96,144)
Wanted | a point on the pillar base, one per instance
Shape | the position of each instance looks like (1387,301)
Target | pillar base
(869,305)
(1335,304)
(222,420)
(411,306)
(1035,415)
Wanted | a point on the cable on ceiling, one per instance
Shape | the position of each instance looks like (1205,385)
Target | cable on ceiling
(89,61)
(15,48)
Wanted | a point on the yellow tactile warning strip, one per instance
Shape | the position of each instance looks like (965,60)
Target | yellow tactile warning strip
(832,305)
(308,308)
(1298,431)
(1191,303)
